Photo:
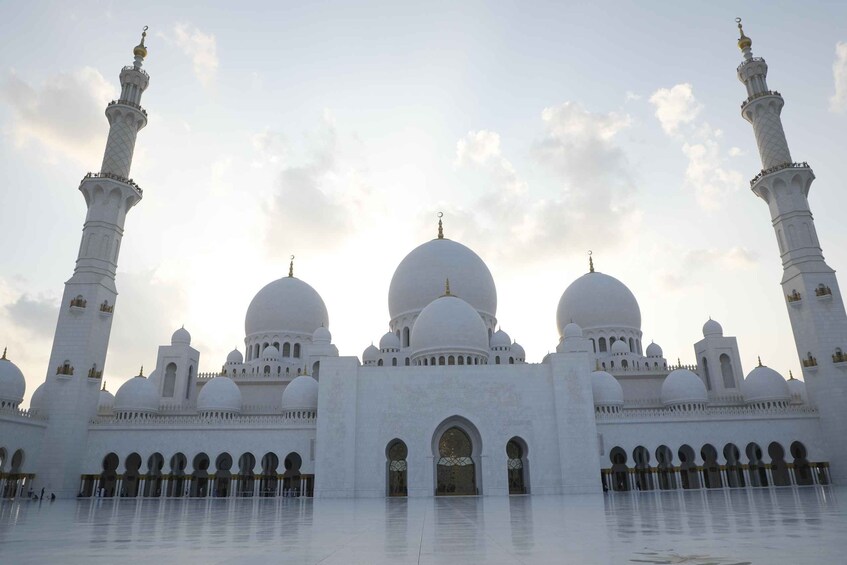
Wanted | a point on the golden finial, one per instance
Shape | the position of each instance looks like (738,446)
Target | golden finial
(140,50)
(141,371)
(4,353)
(291,267)
(760,360)
(447,287)
(790,375)
(744,42)
(590,262)
(440,226)
(104,385)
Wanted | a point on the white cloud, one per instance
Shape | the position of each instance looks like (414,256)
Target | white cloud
(708,172)
(838,101)
(201,48)
(675,106)
(64,115)
(482,148)
(694,265)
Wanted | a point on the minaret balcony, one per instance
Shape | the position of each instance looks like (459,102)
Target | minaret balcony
(65,370)
(130,104)
(129,182)
(760,95)
(107,309)
(794,298)
(78,304)
(93,373)
(823,292)
(765,172)
(810,363)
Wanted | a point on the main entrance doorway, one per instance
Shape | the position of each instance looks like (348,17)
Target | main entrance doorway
(456,474)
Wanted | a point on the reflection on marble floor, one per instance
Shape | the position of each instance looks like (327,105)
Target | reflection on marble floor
(721,527)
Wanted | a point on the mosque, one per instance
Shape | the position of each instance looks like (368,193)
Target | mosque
(447,404)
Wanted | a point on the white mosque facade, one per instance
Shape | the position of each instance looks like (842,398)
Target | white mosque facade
(447,404)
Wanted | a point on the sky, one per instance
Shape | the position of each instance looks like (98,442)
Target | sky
(336,131)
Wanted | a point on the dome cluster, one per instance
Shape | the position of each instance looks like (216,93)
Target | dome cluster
(449,328)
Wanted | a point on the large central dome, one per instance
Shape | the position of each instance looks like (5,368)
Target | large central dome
(419,279)
(595,300)
(286,305)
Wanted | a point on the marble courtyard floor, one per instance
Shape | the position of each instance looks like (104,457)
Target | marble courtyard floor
(787,525)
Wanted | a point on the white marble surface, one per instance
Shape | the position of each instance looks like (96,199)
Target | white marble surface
(720,527)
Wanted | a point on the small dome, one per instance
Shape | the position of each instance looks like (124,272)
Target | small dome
(449,324)
(106,401)
(572,330)
(220,394)
(763,384)
(181,337)
(500,339)
(419,278)
(712,329)
(797,388)
(12,382)
(683,386)
(286,305)
(270,353)
(37,402)
(370,354)
(596,300)
(300,394)
(654,350)
(619,347)
(235,357)
(606,388)
(322,335)
(138,394)
(389,342)
(518,351)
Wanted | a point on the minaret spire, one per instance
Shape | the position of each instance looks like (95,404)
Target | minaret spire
(590,262)
(291,267)
(809,286)
(440,226)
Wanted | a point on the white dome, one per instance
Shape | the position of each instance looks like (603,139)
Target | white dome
(518,351)
(712,329)
(797,388)
(286,305)
(683,386)
(619,347)
(500,339)
(106,401)
(321,335)
(138,394)
(235,357)
(763,384)
(595,300)
(270,353)
(572,330)
(220,394)
(449,324)
(389,341)
(181,337)
(419,278)
(371,353)
(606,388)
(300,394)
(654,350)
(12,382)
(37,402)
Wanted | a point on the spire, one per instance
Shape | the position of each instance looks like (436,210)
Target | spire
(447,287)
(291,267)
(140,50)
(4,353)
(104,385)
(790,375)
(760,360)
(141,371)
(590,262)
(440,226)
(744,42)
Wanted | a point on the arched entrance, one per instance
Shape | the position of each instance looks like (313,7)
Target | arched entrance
(223,475)
(397,468)
(455,468)
(131,475)
(802,469)
(176,482)
(109,476)
(515,466)
(153,483)
(246,478)
(200,476)
(291,476)
(620,472)
(269,480)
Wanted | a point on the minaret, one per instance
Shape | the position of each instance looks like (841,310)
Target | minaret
(809,286)
(88,303)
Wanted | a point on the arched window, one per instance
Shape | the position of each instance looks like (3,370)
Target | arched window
(455,470)
(511,360)
(297,350)
(189,382)
(407,361)
(405,337)
(451,360)
(593,345)
(612,341)
(379,363)
(441,360)
(624,363)
(169,385)
(497,360)
(726,371)
(397,468)
(515,466)
(706,375)
(393,361)
(286,349)
(631,345)
(602,343)
(267,369)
